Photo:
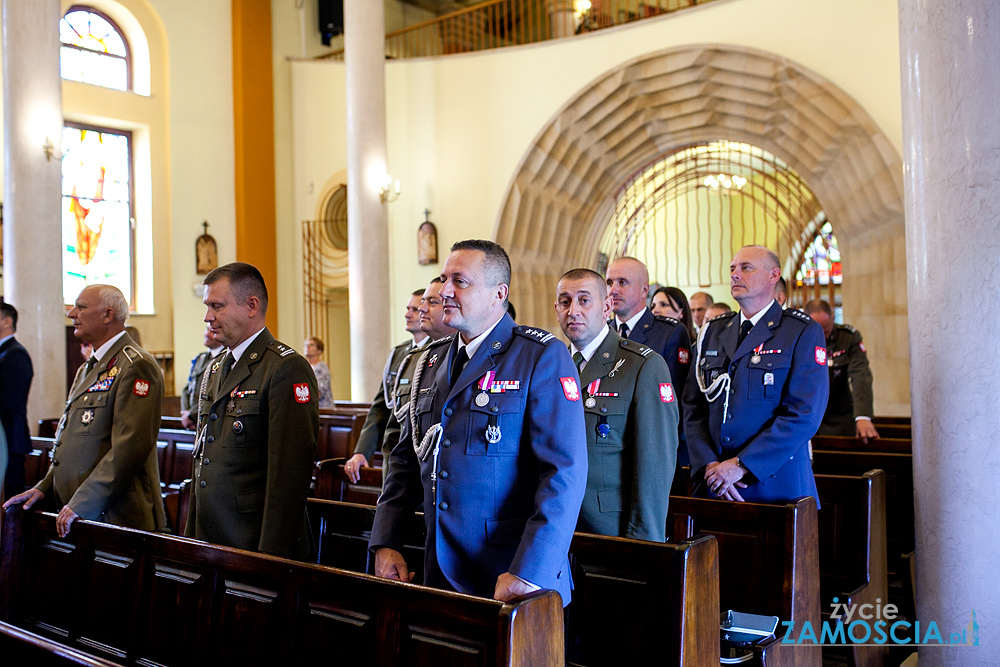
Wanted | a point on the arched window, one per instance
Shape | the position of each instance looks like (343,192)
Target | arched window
(94,49)
(819,275)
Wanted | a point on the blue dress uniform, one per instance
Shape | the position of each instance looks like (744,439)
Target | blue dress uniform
(670,338)
(506,500)
(773,403)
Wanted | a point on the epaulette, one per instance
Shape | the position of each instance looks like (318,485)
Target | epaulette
(280,349)
(402,345)
(669,320)
(798,314)
(131,353)
(723,316)
(636,348)
(847,327)
(538,335)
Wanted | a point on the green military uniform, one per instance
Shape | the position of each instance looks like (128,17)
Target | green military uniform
(257,429)
(381,428)
(189,397)
(104,462)
(850,382)
(631,414)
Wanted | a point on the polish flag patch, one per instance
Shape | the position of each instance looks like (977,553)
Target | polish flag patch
(862,346)
(683,355)
(570,389)
(821,356)
(301,393)
(141,388)
(666,392)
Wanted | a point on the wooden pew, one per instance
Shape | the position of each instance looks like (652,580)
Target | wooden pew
(347,408)
(893,431)
(338,434)
(768,564)
(629,595)
(174,453)
(142,598)
(332,483)
(852,542)
(37,461)
(878,421)
(20,647)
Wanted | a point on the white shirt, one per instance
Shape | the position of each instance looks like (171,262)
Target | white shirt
(102,350)
(632,322)
(238,351)
(591,347)
(758,316)
(473,345)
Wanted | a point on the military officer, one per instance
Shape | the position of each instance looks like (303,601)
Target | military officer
(759,392)
(494,446)
(631,415)
(849,411)
(104,463)
(258,420)
(189,396)
(376,427)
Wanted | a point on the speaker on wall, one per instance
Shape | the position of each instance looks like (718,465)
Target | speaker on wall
(331,19)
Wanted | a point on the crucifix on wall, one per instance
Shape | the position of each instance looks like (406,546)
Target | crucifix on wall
(427,241)
(206,252)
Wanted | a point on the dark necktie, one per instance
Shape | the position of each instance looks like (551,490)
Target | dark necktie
(623,330)
(578,360)
(227,365)
(458,365)
(744,330)
(90,364)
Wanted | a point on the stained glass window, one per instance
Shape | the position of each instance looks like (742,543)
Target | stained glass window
(96,209)
(93,49)
(821,260)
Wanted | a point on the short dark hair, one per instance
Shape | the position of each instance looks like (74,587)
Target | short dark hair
(7,310)
(497,261)
(781,286)
(817,306)
(245,281)
(418,292)
(587,274)
(677,296)
(435,279)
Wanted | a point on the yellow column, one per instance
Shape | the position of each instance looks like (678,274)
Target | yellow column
(253,119)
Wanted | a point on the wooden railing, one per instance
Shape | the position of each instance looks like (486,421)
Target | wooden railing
(497,23)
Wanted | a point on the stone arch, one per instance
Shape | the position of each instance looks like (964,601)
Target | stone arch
(558,201)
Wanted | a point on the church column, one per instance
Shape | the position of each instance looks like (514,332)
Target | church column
(367,236)
(32,226)
(951,93)
(561,20)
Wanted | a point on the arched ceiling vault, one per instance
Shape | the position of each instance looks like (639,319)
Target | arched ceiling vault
(559,200)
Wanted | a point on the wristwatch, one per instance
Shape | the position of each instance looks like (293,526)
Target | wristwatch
(741,465)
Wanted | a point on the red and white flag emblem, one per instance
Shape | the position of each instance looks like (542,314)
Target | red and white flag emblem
(570,389)
(683,355)
(862,346)
(666,392)
(821,356)
(301,393)
(141,388)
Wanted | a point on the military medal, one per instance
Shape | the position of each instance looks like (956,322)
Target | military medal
(590,402)
(493,430)
(87,417)
(603,429)
(231,405)
(755,359)
(482,399)
(237,427)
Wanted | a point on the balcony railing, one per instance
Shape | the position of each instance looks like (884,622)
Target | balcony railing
(498,23)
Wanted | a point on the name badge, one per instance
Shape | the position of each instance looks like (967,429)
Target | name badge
(768,378)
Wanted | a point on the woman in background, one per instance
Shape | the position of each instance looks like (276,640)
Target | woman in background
(671,302)
(313,351)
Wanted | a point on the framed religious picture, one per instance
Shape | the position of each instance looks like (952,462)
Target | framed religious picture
(206,252)
(427,241)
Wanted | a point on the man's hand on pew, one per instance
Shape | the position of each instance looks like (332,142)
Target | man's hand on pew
(866,430)
(64,520)
(723,479)
(28,498)
(510,586)
(186,420)
(390,564)
(353,467)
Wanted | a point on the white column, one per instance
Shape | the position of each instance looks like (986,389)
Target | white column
(367,236)
(951,94)
(32,229)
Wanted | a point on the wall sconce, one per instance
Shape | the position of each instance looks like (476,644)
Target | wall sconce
(50,149)
(384,193)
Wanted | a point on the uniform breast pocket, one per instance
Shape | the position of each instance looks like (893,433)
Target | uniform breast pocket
(606,421)
(767,376)
(90,414)
(424,406)
(246,423)
(495,426)
(712,368)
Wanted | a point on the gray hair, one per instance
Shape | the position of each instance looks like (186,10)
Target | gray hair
(110,297)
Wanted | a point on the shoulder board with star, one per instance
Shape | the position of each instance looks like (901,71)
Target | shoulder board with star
(848,328)
(538,335)
(723,316)
(131,353)
(280,349)
(635,348)
(798,314)
(407,345)
(668,320)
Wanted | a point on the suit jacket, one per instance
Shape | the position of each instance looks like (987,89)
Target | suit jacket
(671,340)
(15,381)
(777,395)
(104,463)
(373,431)
(492,507)
(257,432)
(850,382)
(631,414)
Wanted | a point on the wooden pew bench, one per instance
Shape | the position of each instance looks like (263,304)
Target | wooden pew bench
(630,597)
(768,564)
(20,647)
(332,483)
(38,460)
(141,598)
(852,558)
(338,434)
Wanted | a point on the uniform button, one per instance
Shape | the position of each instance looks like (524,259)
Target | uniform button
(203,484)
(444,474)
(604,409)
(443,505)
(732,391)
(239,411)
(55,463)
(211,438)
(448,412)
(726,439)
(446,443)
(791,458)
(205,462)
(769,365)
(494,409)
(730,416)
(214,416)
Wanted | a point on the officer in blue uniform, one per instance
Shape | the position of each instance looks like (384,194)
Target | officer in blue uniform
(757,396)
(494,446)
